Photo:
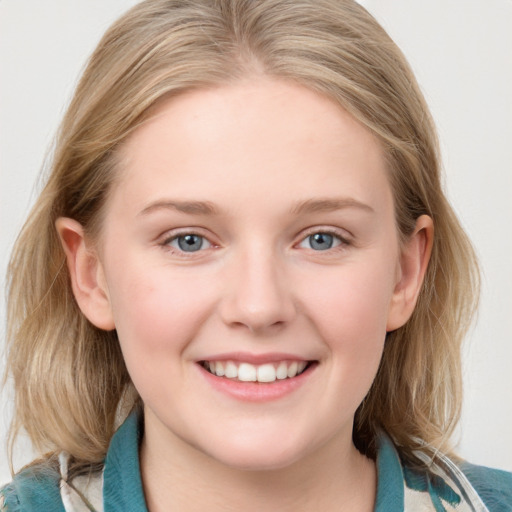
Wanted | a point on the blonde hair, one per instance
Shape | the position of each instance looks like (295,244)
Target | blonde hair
(69,377)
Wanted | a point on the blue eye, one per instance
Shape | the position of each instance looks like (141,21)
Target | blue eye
(321,241)
(189,242)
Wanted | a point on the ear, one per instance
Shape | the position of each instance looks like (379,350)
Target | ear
(414,258)
(86,272)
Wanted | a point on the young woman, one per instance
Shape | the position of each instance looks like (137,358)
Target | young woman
(242,287)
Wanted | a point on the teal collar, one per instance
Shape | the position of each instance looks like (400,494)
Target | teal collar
(122,485)
(390,477)
(38,487)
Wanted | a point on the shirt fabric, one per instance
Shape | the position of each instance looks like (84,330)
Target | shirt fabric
(118,487)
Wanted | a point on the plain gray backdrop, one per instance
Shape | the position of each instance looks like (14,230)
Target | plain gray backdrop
(461,53)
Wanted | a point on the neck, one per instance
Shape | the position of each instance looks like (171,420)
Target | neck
(180,478)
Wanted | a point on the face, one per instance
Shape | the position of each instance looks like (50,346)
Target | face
(250,261)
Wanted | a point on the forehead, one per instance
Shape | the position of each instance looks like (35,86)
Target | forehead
(276,139)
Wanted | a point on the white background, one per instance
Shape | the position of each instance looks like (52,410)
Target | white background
(461,52)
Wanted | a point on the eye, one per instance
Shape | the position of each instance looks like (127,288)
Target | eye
(189,242)
(321,241)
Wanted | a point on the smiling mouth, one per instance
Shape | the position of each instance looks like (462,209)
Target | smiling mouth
(246,372)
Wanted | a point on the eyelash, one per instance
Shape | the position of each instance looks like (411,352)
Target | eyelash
(343,241)
(166,243)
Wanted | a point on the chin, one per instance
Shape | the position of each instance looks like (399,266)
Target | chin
(257,454)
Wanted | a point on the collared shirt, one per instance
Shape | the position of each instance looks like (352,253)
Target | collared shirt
(445,487)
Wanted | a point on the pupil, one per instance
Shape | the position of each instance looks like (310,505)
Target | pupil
(321,241)
(190,243)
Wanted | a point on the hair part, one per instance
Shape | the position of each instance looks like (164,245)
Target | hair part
(163,47)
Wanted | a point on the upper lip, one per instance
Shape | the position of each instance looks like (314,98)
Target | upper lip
(256,359)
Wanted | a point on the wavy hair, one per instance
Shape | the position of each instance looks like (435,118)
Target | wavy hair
(69,377)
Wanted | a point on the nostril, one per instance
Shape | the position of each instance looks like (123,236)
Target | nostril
(257,327)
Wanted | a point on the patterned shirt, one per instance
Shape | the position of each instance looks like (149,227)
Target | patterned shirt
(445,487)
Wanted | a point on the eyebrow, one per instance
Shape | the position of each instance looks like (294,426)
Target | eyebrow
(303,207)
(190,207)
(329,205)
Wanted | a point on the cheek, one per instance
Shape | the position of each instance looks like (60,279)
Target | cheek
(358,295)
(349,307)
(157,310)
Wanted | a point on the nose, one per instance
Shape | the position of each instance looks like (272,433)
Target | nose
(258,294)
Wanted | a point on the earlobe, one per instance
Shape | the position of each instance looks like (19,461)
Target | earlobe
(414,258)
(86,273)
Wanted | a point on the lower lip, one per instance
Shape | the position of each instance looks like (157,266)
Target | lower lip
(257,391)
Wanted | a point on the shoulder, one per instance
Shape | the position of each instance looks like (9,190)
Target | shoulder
(494,486)
(34,488)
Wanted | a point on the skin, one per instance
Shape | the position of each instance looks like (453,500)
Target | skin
(261,153)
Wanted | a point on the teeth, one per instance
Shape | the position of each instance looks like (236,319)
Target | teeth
(266,373)
(292,369)
(219,369)
(282,371)
(231,370)
(247,372)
